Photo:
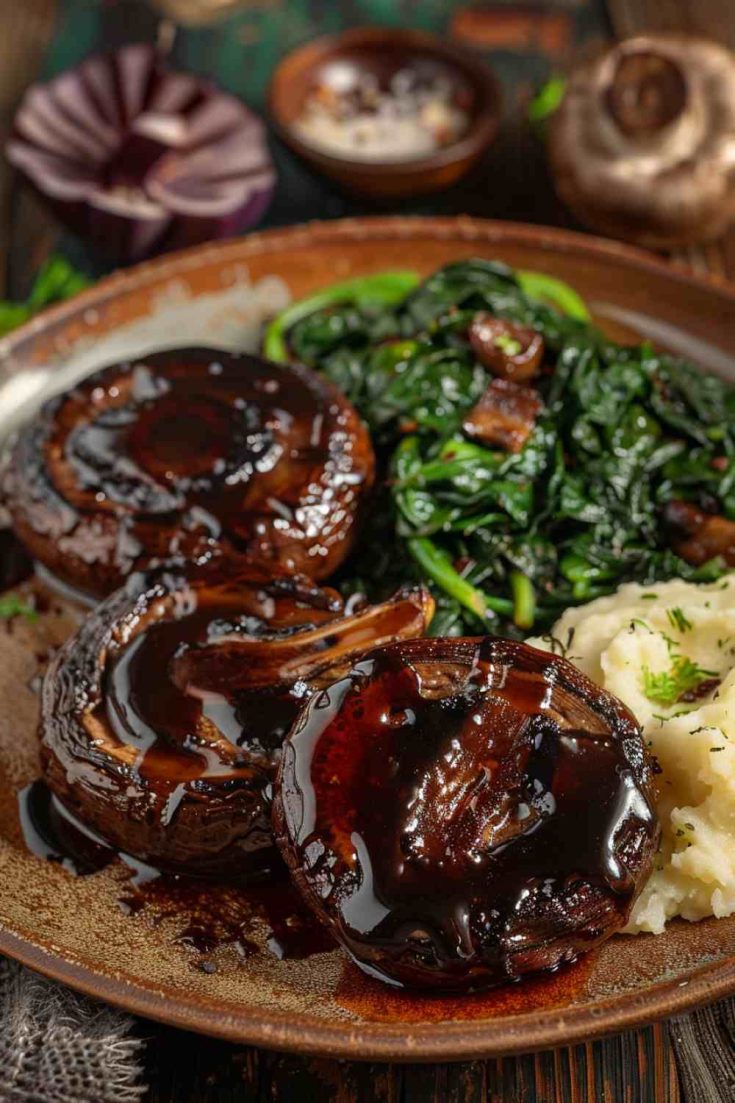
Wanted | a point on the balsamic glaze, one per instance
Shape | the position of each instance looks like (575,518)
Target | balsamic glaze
(147,710)
(265,918)
(464,812)
(52,833)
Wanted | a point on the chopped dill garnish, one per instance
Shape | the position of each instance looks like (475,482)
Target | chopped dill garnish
(649,597)
(678,620)
(558,647)
(672,716)
(671,644)
(668,686)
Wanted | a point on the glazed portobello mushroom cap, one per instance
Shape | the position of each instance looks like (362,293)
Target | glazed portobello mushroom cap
(162,717)
(190,452)
(464,812)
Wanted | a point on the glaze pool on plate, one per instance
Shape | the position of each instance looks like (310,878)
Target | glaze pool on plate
(74,929)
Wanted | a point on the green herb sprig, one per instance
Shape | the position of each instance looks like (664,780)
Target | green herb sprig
(678,620)
(56,280)
(667,687)
(12,605)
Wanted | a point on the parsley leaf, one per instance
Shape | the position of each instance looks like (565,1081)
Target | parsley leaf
(666,687)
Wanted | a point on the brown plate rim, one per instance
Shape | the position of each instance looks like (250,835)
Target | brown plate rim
(390,227)
(459,1040)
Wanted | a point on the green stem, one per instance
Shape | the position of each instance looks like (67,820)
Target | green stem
(537,285)
(547,100)
(524,600)
(435,471)
(384,288)
(438,566)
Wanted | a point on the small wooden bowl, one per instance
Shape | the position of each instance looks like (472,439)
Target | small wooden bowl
(381,52)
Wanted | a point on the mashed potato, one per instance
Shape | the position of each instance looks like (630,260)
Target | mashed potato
(668,652)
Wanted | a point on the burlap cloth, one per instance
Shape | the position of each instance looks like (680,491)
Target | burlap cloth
(58,1047)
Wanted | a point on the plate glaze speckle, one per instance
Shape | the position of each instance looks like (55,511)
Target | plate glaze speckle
(142,948)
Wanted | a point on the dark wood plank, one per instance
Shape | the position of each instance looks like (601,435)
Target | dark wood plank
(637,1067)
(711,18)
(26,31)
(704,1045)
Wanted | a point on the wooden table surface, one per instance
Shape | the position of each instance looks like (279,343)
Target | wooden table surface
(690,1059)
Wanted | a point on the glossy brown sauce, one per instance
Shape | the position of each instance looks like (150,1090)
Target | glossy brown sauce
(186,438)
(451,838)
(146,709)
(50,832)
(265,918)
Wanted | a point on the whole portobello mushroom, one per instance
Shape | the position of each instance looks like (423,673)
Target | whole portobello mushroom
(162,717)
(190,452)
(642,144)
(463,812)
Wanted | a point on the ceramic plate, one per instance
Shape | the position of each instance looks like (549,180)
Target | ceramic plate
(247,966)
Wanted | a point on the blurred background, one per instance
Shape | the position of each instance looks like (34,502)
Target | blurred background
(531,48)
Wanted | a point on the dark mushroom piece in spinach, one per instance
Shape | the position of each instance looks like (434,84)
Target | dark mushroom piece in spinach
(505,416)
(507,350)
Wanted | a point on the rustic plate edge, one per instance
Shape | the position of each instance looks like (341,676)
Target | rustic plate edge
(444,1041)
